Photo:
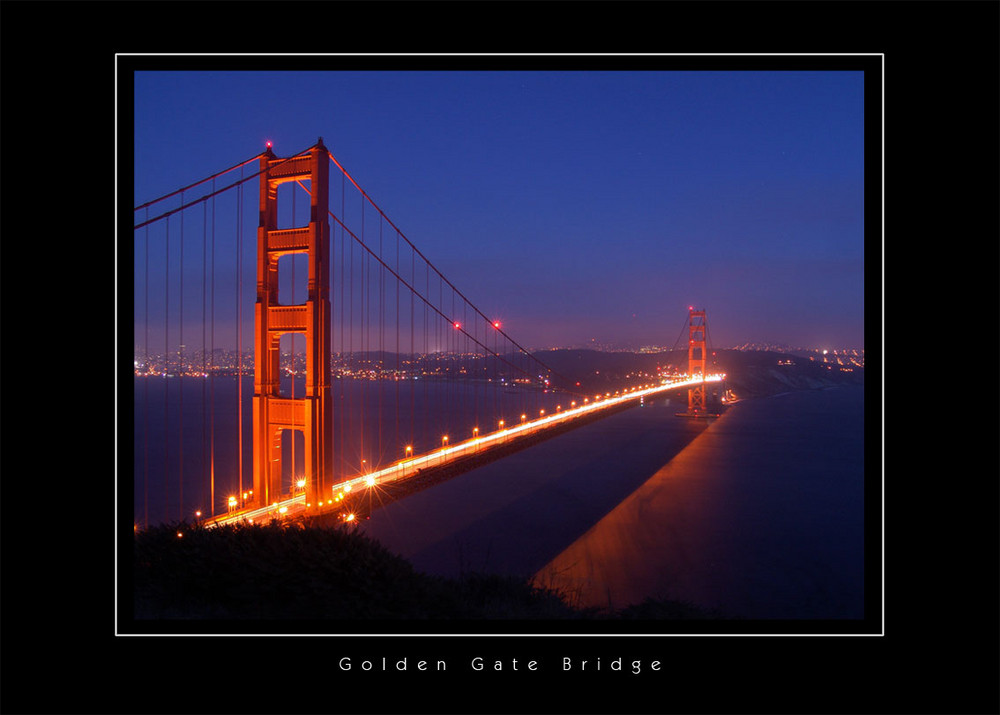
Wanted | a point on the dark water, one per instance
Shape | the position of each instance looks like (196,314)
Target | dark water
(759,514)
(186,430)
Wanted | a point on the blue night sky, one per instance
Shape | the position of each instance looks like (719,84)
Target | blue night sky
(574,205)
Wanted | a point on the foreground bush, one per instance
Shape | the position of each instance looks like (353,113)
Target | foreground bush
(293,572)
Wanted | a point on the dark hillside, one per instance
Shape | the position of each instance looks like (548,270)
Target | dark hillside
(260,572)
(749,373)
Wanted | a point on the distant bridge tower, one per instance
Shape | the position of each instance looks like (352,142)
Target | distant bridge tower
(697,357)
(272,412)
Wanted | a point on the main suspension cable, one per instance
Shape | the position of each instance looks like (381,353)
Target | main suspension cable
(222,190)
(197,183)
(441,275)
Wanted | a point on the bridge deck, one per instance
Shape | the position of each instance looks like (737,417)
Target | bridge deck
(295,506)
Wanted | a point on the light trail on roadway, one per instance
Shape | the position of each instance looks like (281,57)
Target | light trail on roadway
(296,505)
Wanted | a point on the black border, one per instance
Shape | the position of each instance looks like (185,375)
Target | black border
(602,641)
(939,652)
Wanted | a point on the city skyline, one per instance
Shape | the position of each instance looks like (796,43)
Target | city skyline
(579,207)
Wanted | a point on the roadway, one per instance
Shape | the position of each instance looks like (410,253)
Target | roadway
(295,506)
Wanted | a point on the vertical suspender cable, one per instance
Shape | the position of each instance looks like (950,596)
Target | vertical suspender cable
(428,371)
(413,351)
(182,369)
(145,393)
(441,352)
(364,357)
(239,332)
(343,383)
(455,363)
(350,356)
(381,345)
(331,327)
(468,369)
(204,349)
(166,367)
(211,391)
(397,342)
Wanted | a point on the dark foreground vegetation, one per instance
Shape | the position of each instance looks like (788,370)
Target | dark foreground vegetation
(297,572)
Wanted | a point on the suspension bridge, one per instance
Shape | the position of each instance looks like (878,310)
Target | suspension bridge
(344,364)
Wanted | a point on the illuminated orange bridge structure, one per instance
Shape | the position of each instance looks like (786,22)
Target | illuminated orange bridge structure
(360,365)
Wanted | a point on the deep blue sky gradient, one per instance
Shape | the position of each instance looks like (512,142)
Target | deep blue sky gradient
(577,206)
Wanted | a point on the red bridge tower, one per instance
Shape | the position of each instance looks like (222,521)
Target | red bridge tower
(272,412)
(697,357)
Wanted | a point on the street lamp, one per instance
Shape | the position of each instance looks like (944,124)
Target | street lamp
(409,453)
